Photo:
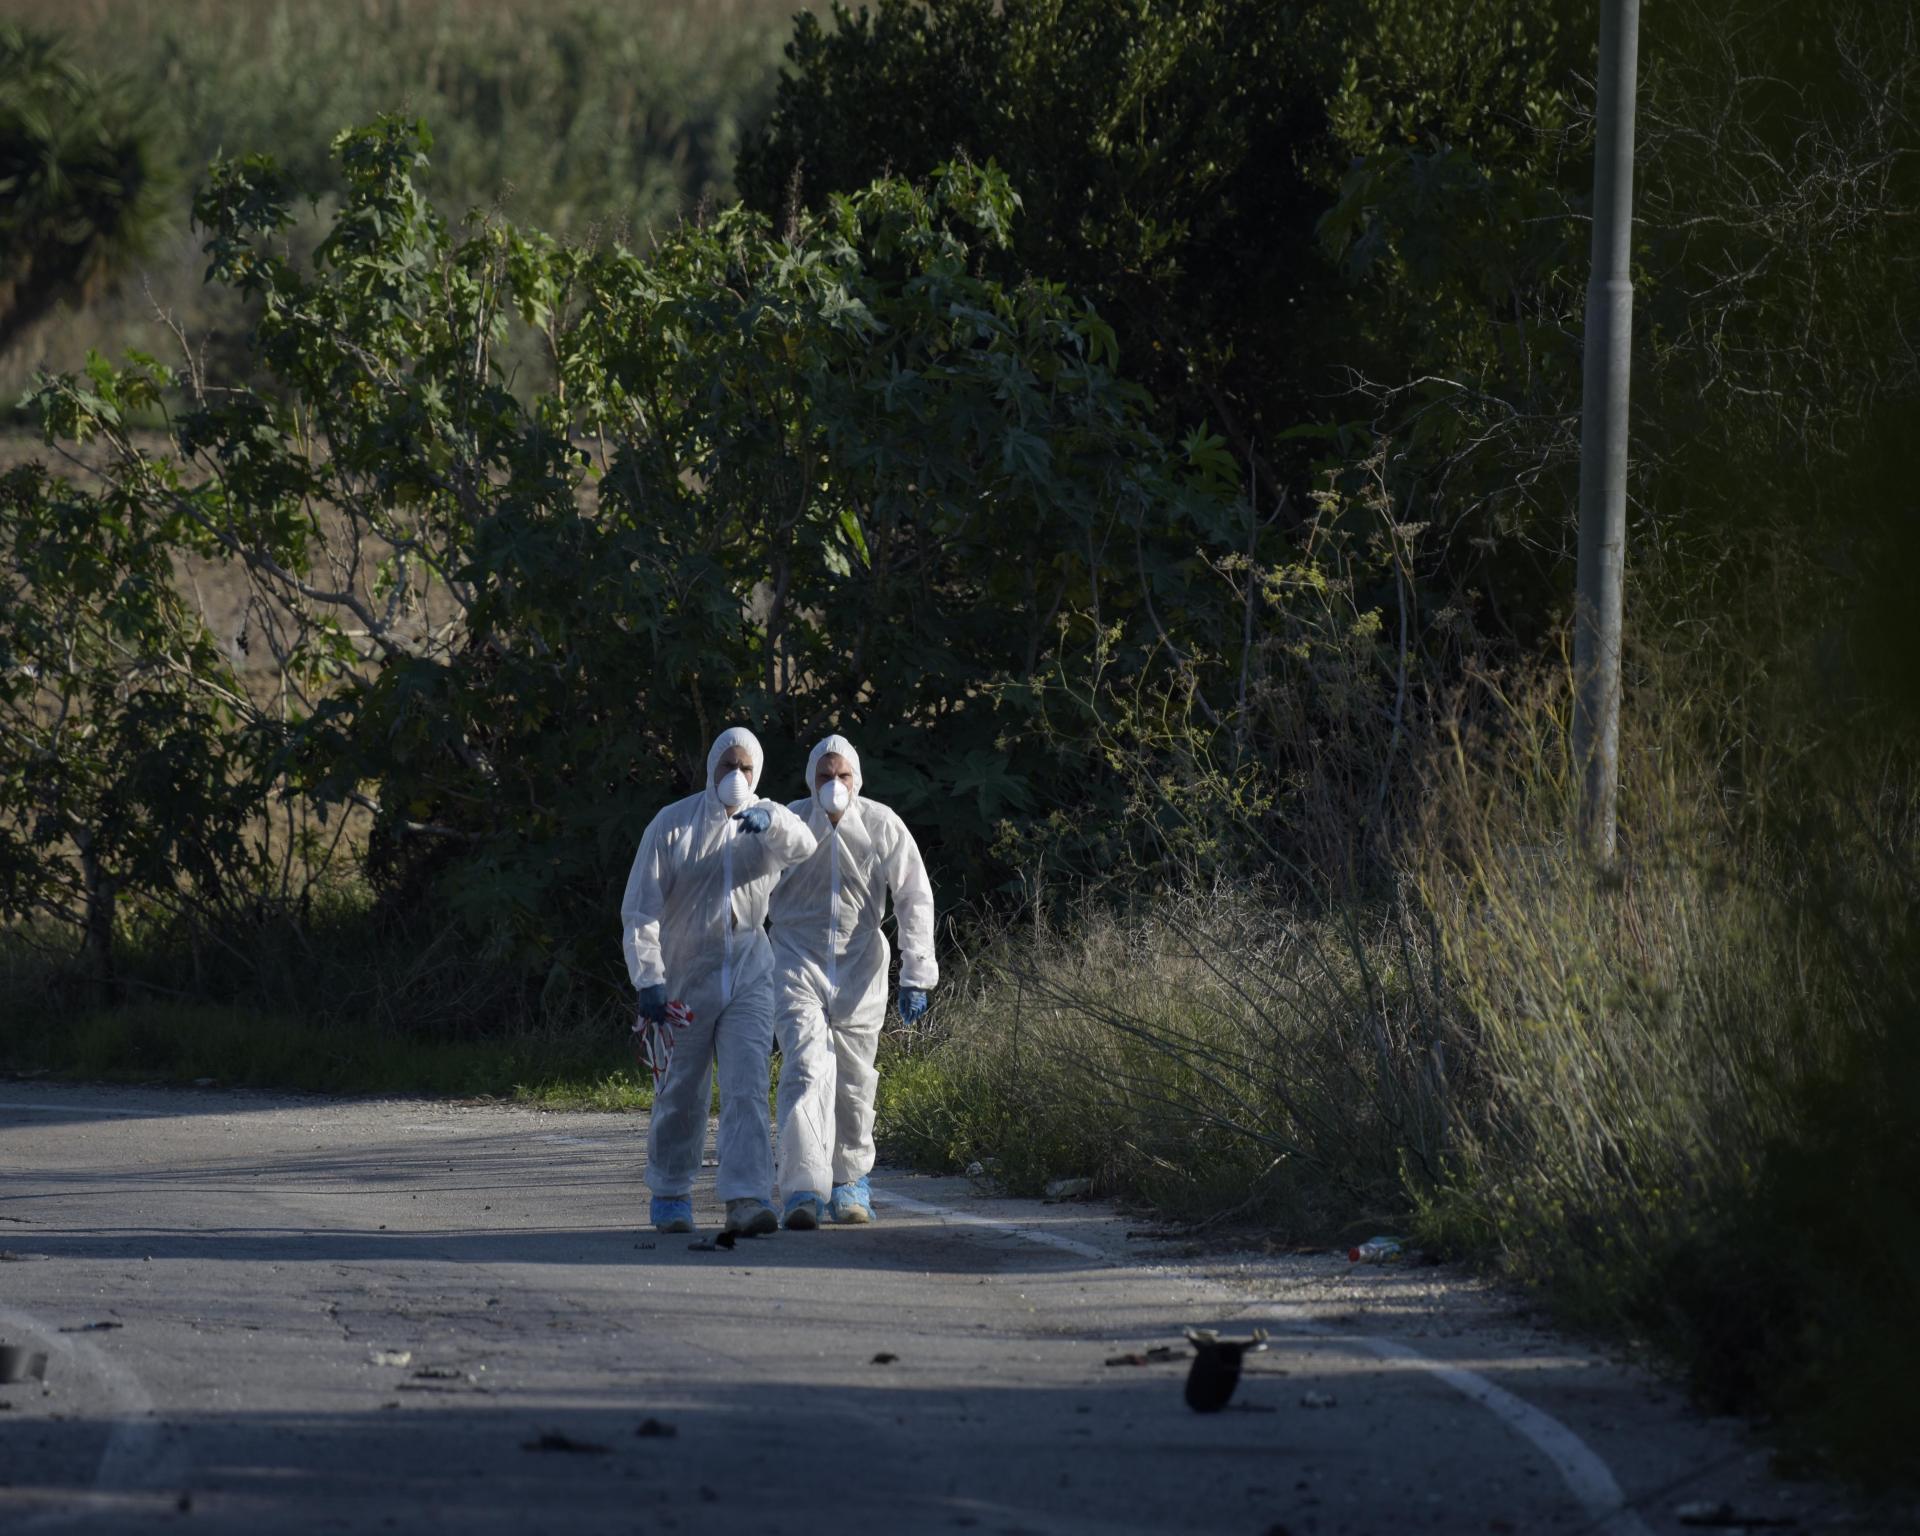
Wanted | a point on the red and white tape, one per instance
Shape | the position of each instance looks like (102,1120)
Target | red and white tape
(654,1041)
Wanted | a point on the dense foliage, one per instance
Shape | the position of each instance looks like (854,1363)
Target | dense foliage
(1151,431)
(592,118)
(1330,228)
(830,478)
(1166,154)
(80,179)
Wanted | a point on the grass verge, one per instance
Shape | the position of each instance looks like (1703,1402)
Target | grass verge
(1214,1055)
(1680,1098)
(555,1068)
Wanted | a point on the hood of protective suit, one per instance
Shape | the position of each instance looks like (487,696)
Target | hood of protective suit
(735,736)
(821,748)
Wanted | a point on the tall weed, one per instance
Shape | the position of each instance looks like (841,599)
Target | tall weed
(1693,1114)
(1208,1053)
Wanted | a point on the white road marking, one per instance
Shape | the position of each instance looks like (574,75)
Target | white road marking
(1058,1240)
(135,1456)
(1587,1476)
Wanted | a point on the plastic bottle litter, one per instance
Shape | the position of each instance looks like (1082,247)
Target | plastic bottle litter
(1375,1250)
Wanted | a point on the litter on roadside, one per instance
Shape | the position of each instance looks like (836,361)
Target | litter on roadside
(885,1357)
(18,1363)
(1160,1354)
(1216,1367)
(390,1357)
(1068,1189)
(553,1441)
(656,1429)
(1722,1515)
(1318,1400)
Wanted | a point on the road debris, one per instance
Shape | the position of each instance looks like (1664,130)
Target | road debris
(1160,1354)
(1721,1515)
(443,1378)
(656,1429)
(18,1363)
(1319,1400)
(100,1327)
(391,1357)
(885,1357)
(1069,1189)
(712,1244)
(552,1440)
(1216,1367)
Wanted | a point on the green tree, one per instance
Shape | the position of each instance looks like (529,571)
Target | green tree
(833,477)
(1777,190)
(1165,152)
(124,773)
(80,180)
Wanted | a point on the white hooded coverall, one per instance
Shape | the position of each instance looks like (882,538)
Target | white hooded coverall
(692,919)
(830,974)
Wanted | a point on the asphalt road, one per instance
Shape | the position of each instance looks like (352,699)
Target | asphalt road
(296,1314)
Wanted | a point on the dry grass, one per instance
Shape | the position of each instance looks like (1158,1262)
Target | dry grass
(588,118)
(1209,1054)
(1641,1035)
(1677,1096)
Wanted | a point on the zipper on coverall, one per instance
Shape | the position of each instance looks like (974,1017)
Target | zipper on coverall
(726,914)
(833,920)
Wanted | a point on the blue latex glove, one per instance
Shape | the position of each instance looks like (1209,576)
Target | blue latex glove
(913,1003)
(755,818)
(653,1004)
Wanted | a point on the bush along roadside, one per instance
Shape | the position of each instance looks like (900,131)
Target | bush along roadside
(1677,1099)
(505,621)
(238,1047)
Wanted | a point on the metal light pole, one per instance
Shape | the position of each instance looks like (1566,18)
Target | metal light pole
(1603,435)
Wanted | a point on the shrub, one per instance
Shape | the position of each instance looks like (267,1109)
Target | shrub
(82,178)
(1209,1054)
(836,476)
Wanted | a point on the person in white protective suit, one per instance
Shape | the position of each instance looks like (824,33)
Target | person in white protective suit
(830,977)
(692,926)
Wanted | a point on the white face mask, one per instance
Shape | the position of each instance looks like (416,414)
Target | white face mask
(734,790)
(835,796)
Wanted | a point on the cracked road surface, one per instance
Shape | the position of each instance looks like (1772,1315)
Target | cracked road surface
(298,1314)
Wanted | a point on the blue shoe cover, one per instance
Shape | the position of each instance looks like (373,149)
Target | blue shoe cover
(671,1213)
(852,1202)
(805,1211)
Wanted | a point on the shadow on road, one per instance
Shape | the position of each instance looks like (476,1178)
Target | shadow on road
(1122,1454)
